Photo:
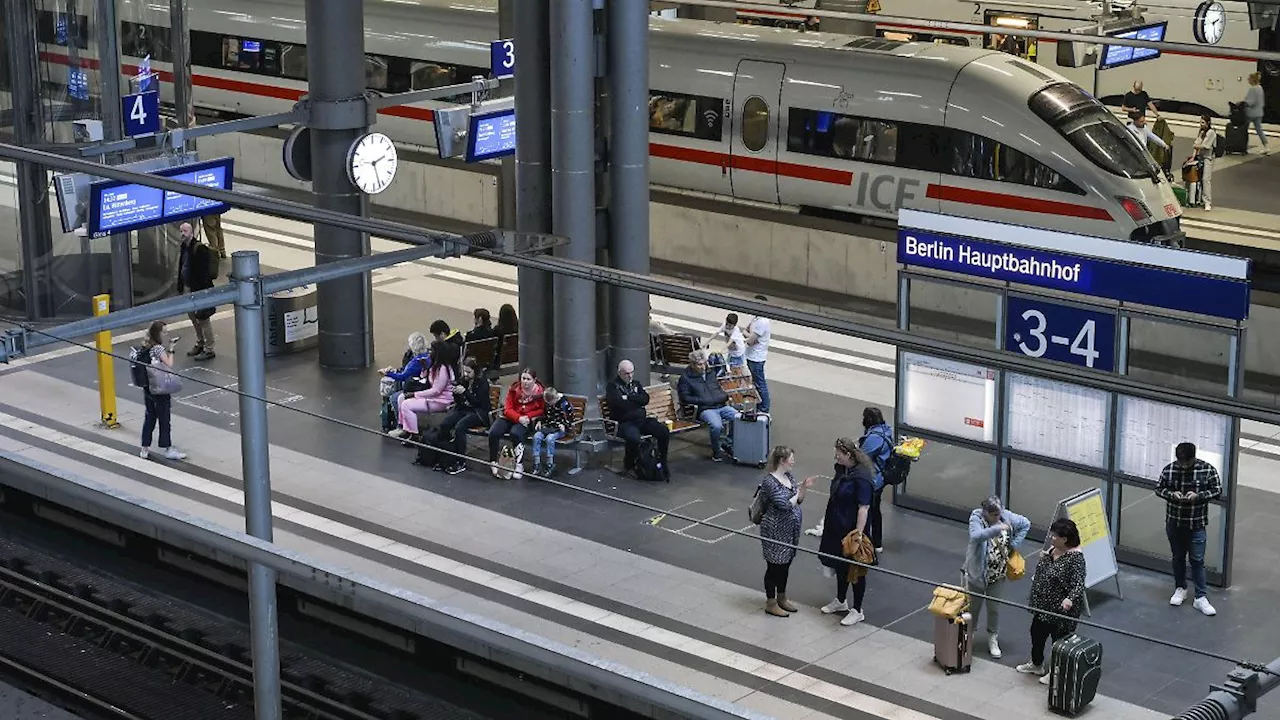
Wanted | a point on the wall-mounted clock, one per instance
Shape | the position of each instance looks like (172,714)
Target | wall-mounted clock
(372,162)
(1209,22)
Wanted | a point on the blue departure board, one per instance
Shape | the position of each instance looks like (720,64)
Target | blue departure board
(116,207)
(491,135)
(1117,55)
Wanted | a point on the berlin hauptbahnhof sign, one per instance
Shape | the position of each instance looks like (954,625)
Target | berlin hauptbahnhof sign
(117,207)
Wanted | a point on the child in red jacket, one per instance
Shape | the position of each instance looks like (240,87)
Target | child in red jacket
(523,405)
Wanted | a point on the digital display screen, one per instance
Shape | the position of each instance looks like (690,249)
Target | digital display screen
(1117,55)
(250,46)
(120,207)
(492,135)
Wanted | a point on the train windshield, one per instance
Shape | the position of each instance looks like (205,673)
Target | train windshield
(1093,130)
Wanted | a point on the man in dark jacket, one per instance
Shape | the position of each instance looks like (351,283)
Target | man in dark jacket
(628,402)
(195,273)
(700,387)
(440,330)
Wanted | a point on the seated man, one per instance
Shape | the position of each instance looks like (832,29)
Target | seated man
(628,406)
(440,330)
(700,387)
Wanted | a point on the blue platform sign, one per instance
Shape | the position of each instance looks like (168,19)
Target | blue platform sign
(77,83)
(116,207)
(141,113)
(1041,329)
(491,135)
(146,79)
(1141,278)
(502,58)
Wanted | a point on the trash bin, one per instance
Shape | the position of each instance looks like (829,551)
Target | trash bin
(292,320)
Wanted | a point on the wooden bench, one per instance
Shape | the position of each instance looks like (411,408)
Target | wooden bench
(674,350)
(509,352)
(484,352)
(663,406)
(570,440)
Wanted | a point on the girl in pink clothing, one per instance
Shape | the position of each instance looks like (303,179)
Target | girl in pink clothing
(439,396)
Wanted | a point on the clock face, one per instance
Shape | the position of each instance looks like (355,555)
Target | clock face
(1210,22)
(371,163)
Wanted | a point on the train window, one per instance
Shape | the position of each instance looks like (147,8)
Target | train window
(293,61)
(689,115)
(815,132)
(755,123)
(1092,130)
(982,158)
(139,40)
(206,49)
(375,72)
(55,29)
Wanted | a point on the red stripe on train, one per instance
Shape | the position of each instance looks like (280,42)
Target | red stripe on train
(1005,201)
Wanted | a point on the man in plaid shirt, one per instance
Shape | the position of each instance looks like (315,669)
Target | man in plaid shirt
(1188,485)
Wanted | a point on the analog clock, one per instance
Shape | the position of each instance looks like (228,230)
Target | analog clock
(371,163)
(1209,22)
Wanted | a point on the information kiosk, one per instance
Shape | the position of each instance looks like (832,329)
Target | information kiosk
(1096,303)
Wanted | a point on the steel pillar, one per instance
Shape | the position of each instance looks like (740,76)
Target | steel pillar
(533,175)
(507,171)
(256,469)
(112,129)
(573,190)
(629,177)
(841,25)
(336,84)
(35,237)
(180,45)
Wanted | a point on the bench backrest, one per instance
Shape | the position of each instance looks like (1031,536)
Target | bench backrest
(482,351)
(510,352)
(662,403)
(676,348)
(579,403)
(496,391)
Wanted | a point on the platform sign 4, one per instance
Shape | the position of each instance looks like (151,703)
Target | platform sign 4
(1037,328)
(141,113)
(502,58)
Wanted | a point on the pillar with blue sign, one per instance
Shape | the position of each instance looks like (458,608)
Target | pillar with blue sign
(1098,304)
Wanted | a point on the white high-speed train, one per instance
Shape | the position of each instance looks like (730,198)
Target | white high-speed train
(838,123)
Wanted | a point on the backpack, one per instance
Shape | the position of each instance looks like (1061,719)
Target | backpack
(1219,146)
(139,361)
(896,469)
(387,415)
(648,466)
(756,511)
(428,455)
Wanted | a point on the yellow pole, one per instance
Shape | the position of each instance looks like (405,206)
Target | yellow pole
(106,366)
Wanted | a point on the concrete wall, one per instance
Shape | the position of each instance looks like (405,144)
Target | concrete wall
(809,258)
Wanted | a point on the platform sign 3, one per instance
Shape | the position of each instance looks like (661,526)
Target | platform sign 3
(141,113)
(1037,328)
(502,58)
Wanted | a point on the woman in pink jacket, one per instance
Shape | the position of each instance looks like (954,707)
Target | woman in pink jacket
(439,396)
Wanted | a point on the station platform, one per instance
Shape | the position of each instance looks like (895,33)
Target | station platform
(566,561)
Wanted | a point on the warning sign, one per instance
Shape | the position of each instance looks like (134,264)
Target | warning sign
(873,6)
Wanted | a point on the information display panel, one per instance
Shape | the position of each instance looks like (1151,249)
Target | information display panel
(1149,431)
(1117,55)
(1057,420)
(116,207)
(491,135)
(948,397)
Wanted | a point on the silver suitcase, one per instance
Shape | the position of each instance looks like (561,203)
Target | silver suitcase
(751,441)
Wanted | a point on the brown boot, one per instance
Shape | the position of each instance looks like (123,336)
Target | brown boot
(771,607)
(785,605)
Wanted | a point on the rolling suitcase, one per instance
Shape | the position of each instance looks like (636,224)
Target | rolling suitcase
(953,643)
(1075,666)
(1237,138)
(751,440)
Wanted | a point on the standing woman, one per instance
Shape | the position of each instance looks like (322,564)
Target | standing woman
(1203,149)
(877,443)
(159,407)
(1255,107)
(781,523)
(1057,587)
(848,510)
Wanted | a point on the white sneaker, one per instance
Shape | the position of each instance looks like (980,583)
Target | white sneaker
(1179,597)
(1202,604)
(815,531)
(993,647)
(853,617)
(172,453)
(835,606)
(1044,679)
(1028,668)
(398,433)
(519,471)
(146,453)
(879,551)
(1208,207)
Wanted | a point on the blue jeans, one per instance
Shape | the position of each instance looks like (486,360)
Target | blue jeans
(762,385)
(1184,542)
(550,438)
(736,361)
(714,419)
(1257,128)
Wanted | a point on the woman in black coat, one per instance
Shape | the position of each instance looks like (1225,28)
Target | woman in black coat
(847,510)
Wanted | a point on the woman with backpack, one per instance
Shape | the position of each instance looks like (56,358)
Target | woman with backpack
(877,443)
(848,510)
(159,404)
(1203,151)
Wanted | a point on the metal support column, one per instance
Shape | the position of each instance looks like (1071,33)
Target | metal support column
(573,190)
(256,469)
(35,238)
(180,44)
(533,175)
(846,27)
(113,129)
(339,116)
(629,177)
(507,172)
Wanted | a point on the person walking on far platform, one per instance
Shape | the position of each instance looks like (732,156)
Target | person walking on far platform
(780,523)
(197,268)
(758,336)
(1188,485)
(1255,105)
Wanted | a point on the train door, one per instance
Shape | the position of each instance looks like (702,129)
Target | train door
(757,98)
(1269,39)
(1023,47)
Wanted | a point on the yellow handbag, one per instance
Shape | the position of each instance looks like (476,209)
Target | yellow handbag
(1016,567)
(948,602)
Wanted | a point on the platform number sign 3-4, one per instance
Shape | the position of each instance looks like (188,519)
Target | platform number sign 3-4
(141,113)
(1040,329)
(502,58)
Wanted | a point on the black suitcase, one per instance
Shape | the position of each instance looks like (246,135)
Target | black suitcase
(1075,666)
(1235,114)
(1237,138)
